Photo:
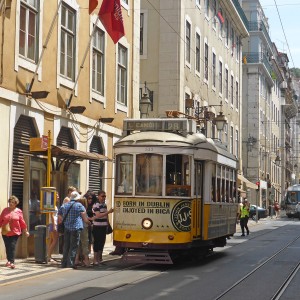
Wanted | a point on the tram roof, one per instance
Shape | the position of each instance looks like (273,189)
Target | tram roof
(197,141)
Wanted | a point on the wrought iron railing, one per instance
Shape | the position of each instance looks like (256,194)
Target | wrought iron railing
(241,13)
(260,26)
(257,57)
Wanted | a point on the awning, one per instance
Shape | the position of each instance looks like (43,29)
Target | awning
(248,183)
(242,193)
(73,154)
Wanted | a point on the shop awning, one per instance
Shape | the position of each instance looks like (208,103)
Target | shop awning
(248,183)
(73,154)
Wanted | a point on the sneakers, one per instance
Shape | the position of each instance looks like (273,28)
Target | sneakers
(243,234)
(248,232)
(12,266)
(8,264)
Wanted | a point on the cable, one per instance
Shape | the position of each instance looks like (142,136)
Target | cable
(284,33)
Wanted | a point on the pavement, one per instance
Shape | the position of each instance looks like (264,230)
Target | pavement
(29,268)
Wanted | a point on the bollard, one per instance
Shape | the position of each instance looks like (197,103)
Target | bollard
(40,246)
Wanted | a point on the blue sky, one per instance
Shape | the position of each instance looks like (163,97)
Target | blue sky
(289,11)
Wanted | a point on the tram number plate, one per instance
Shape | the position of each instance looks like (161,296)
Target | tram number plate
(149,149)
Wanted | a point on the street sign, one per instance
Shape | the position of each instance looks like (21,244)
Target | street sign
(38,144)
(44,144)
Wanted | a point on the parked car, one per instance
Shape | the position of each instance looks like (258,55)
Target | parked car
(262,212)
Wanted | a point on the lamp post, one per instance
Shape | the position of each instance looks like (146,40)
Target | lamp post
(145,103)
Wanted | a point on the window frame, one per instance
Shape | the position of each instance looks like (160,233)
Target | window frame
(21,61)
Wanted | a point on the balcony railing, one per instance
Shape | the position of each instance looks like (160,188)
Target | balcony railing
(256,58)
(241,13)
(260,26)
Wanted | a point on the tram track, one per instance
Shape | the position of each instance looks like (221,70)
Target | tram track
(283,286)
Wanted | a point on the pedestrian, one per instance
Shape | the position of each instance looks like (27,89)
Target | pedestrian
(277,209)
(12,225)
(73,214)
(244,217)
(71,189)
(91,200)
(100,223)
(82,256)
(53,233)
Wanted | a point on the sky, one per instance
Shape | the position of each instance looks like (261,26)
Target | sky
(285,36)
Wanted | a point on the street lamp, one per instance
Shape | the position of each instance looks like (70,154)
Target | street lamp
(277,160)
(145,103)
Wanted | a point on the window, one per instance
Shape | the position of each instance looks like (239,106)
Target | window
(122,75)
(206,62)
(237,143)
(207,8)
(124,174)
(231,139)
(231,90)
(149,174)
(98,62)
(237,47)
(237,95)
(28,34)
(142,25)
(227,32)
(68,43)
(226,84)
(214,69)
(214,7)
(198,2)
(220,77)
(188,42)
(197,52)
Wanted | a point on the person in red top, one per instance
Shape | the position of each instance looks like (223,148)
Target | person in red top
(12,224)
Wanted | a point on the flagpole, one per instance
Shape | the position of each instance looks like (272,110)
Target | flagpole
(82,63)
(28,90)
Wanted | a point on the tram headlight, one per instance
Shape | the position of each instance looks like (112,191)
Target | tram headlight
(147,223)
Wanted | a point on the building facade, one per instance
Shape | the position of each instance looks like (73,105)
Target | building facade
(46,47)
(191,62)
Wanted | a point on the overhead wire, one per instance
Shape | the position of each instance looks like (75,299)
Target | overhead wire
(284,33)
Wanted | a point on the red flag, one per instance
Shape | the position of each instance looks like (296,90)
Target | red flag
(220,17)
(110,15)
(93,5)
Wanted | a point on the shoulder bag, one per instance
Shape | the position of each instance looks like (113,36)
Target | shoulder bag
(61,226)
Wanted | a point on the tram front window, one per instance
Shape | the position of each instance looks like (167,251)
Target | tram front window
(149,170)
(178,175)
(124,176)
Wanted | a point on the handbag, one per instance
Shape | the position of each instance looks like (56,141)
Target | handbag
(61,226)
(5,229)
(109,229)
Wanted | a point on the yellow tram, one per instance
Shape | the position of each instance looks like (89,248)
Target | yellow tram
(175,190)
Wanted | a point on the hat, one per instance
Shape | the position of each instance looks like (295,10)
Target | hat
(75,196)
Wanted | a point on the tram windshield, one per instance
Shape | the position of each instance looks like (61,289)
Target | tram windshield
(292,197)
(148,170)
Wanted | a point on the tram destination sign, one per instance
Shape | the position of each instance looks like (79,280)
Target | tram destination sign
(181,125)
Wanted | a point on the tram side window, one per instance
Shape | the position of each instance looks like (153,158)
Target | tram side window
(178,175)
(149,170)
(124,174)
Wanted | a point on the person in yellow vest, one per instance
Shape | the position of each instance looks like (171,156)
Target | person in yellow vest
(244,217)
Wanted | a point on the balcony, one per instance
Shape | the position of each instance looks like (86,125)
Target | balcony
(257,58)
(238,15)
(241,13)
(260,26)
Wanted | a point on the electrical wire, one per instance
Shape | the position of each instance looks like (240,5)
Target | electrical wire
(291,57)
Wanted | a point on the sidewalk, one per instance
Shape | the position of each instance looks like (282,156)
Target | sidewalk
(28,268)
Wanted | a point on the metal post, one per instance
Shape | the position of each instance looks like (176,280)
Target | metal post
(49,159)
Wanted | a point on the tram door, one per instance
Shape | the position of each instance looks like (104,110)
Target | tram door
(197,202)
